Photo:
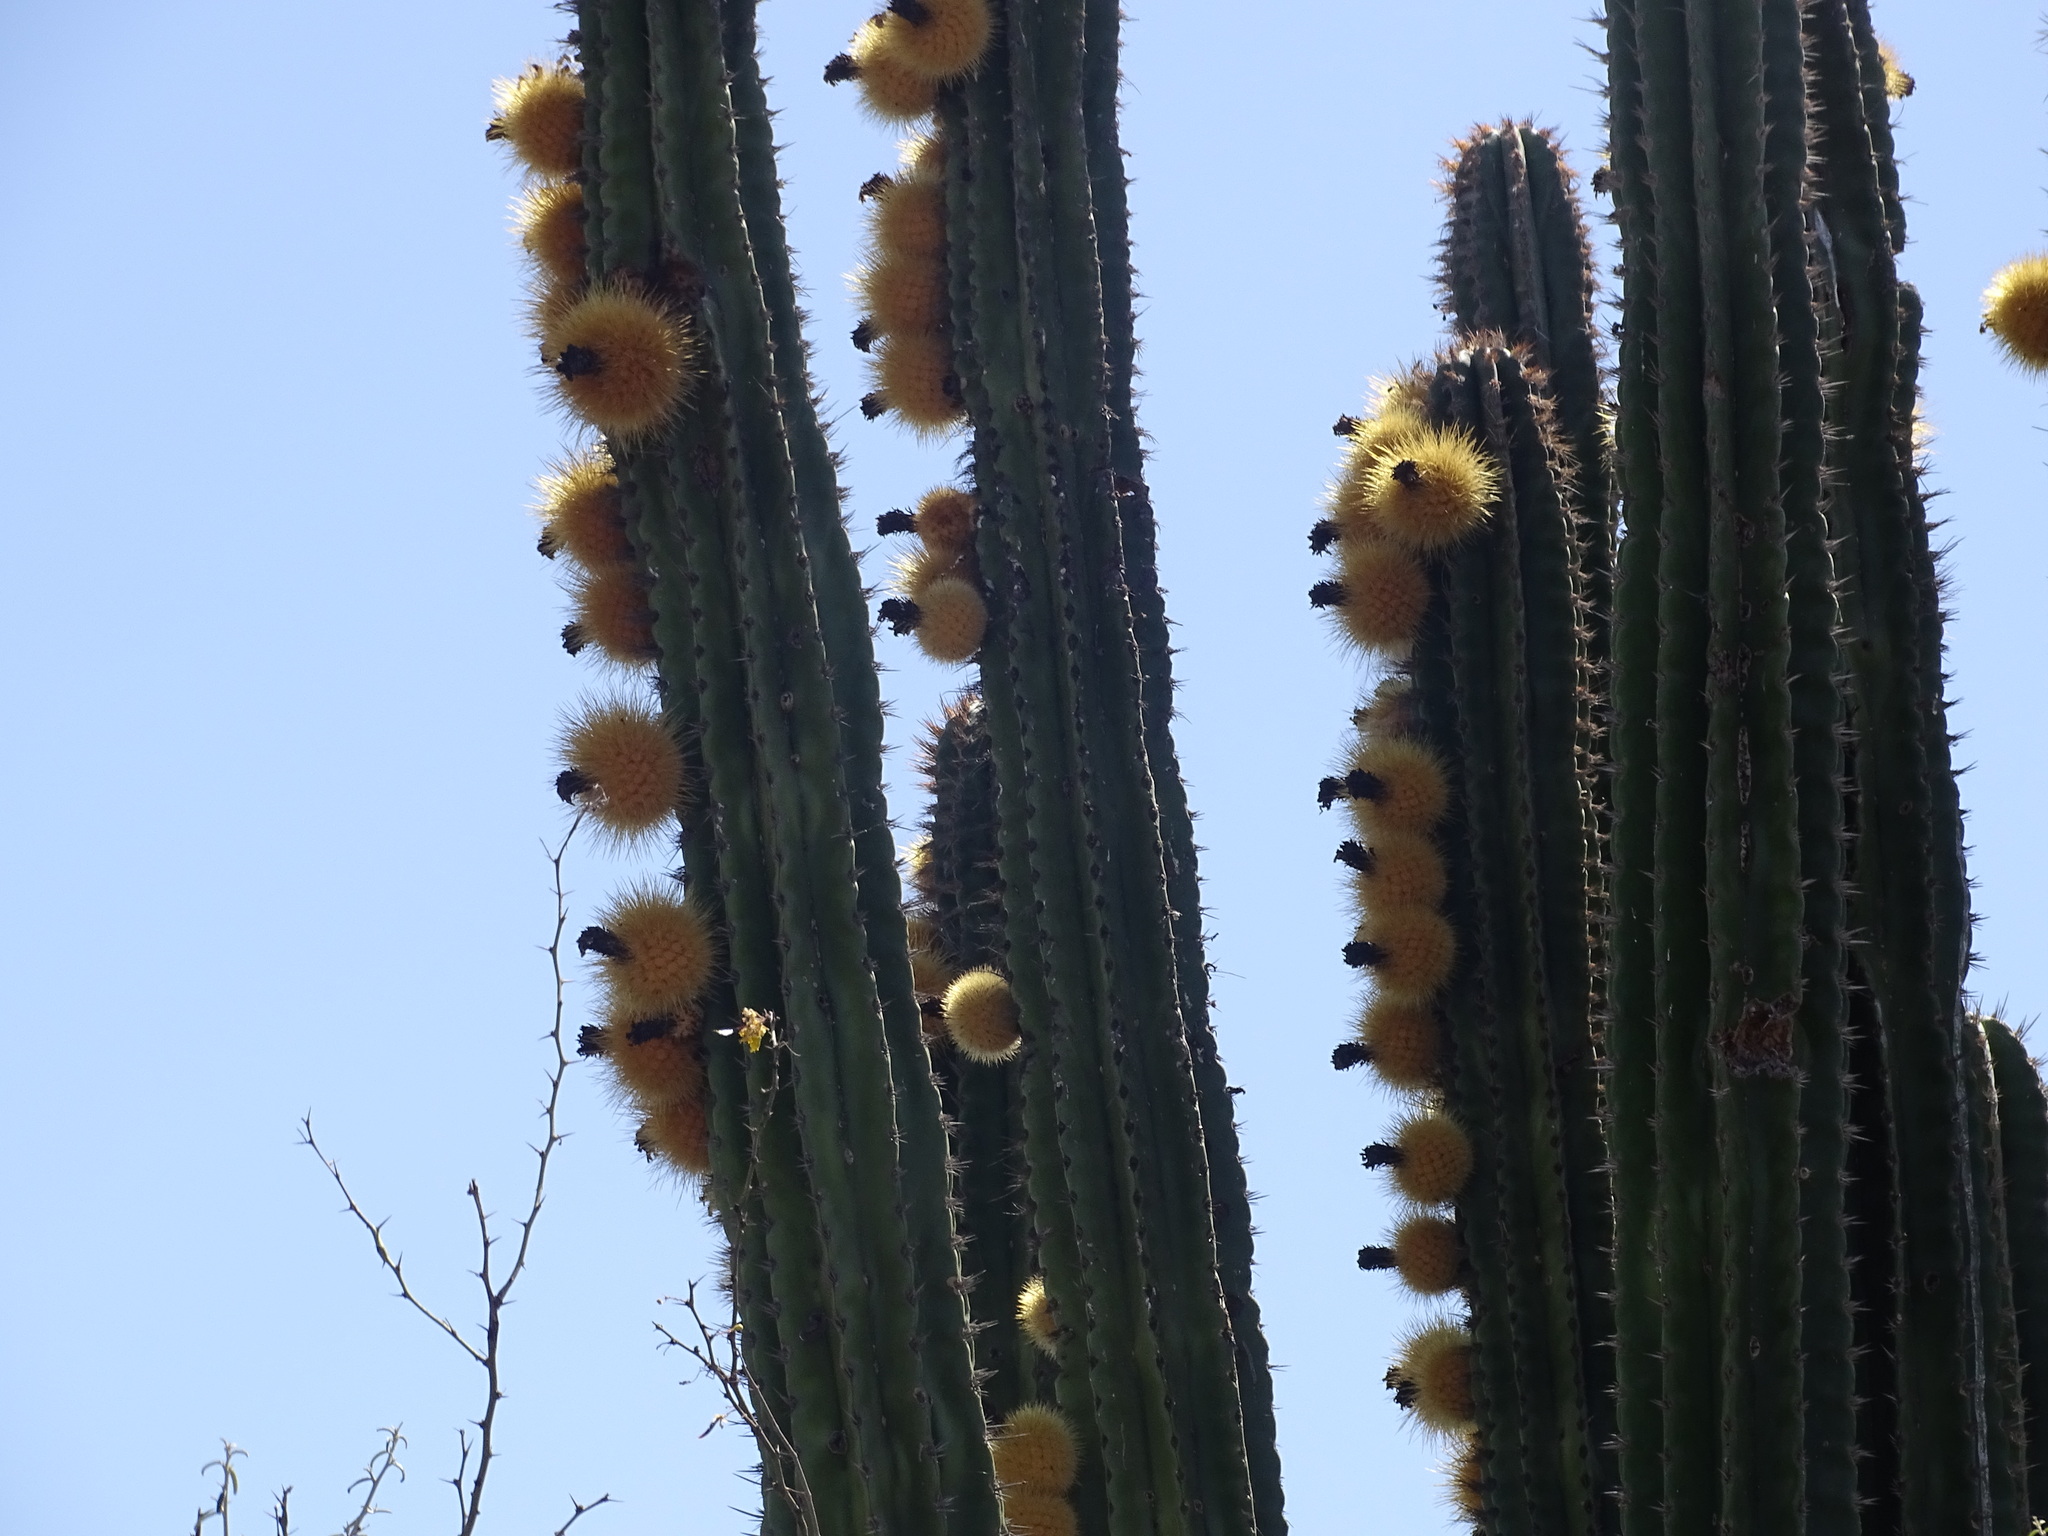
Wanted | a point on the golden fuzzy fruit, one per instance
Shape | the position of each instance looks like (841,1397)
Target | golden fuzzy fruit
(925,564)
(945,519)
(1403,870)
(1038,1514)
(1035,1451)
(1427,1254)
(946,39)
(902,293)
(1381,595)
(550,222)
(1434,1378)
(581,513)
(1036,1316)
(1434,1158)
(540,114)
(923,156)
(1403,786)
(679,1134)
(1369,439)
(652,1059)
(1429,489)
(1409,950)
(1467,1480)
(620,761)
(1404,1042)
(659,950)
(1390,711)
(2016,311)
(619,358)
(952,619)
(913,372)
(608,609)
(917,864)
(981,1017)
(930,975)
(909,221)
(890,90)
(1897,83)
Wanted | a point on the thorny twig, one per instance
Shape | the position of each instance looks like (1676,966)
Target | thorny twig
(717,1352)
(230,1485)
(468,1483)
(579,1511)
(380,1466)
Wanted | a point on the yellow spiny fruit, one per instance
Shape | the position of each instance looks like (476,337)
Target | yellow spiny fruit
(1429,489)
(652,1059)
(1409,950)
(922,566)
(550,224)
(679,1134)
(890,90)
(1427,1254)
(1390,711)
(1396,783)
(1035,1451)
(923,156)
(1402,392)
(619,358)
(1370,437)
(2016,311)
(1433,1376)
(1403,1041)
(981,1017)
(658,950)
(1035,1315)
(930,974)
(952,619)
(540,114)
(1467,1480)
(608,607)
(914,375)
(909,221)
(938,40)
(1380,596)
(1897,83)
(582,515)
(1430,1157)
(1038,1514)
(1400,869)
(620,761)
(945,519)
(902,293)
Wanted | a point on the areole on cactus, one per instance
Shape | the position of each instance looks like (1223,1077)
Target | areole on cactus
(1651,836)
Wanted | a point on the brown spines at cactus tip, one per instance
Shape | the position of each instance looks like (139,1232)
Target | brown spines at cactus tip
(900,614)
(601,941)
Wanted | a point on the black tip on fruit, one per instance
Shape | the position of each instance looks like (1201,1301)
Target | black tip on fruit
(1322,536)
(872,405)
(900,614)
(1375,1258)
(578,362)
(573,638)
(1360,785)
(1346,426)
(1408,473)
(640,1031)
(876,184)
(864,335)
(1348,1055)
(1326,594)
(570,783)
(600,941)
(590,1040)
(1329,792)
(1356,855)
(1380,1155)
(897,521)
(841,68)
(1363,952)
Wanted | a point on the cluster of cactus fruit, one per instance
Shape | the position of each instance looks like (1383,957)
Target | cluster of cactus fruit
(1732,1217)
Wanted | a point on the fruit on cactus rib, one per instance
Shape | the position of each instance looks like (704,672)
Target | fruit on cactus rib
(908,218)
(679,1134)
(902,292)
(549,218)
(1368,438)
(1898,85)
(1035,1450)
(1428,489)
(945,519)
(952,619)
(620,761)
(1433,1377)
(657,950)
(981,1017)
(1464,1476)
(1036,1317)
(890,90)
(1403,1041)
(652,1059)
(913,374)
(1393,782)
(608,608)
(619,357)
(1038,1514)
(1409,951)
(1379,596)
(1430,1157)
(939,40)
(1398,869)
(540,114)
(2016,311)
(1427,1254)
(581,513)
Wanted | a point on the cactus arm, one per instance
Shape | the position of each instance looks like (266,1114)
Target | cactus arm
(1630,1037)
(2005,1438)
(2023,1147)
(1052,990)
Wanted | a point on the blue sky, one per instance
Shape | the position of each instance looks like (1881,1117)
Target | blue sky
(283,679)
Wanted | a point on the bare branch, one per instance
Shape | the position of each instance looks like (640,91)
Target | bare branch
(230,1485)
(380,1466)
(579,1511)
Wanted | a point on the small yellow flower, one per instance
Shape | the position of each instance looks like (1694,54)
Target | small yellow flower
(753,1027)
